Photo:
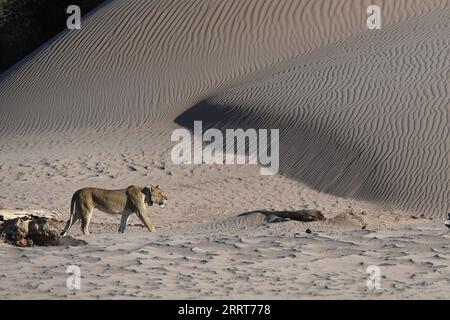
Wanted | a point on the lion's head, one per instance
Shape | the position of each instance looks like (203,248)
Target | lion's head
(154,195)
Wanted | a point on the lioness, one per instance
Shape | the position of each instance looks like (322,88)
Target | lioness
(124,201)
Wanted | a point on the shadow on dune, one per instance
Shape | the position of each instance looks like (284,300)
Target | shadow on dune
(309,152)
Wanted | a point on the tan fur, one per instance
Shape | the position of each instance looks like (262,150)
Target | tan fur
(124,201)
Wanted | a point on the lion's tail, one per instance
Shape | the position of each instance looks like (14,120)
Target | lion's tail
(72,213)
(72,207)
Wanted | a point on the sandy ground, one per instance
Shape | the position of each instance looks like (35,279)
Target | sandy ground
(241,258)
(363,138)
(204,249)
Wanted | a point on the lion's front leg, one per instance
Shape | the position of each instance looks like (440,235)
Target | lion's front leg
(142,214)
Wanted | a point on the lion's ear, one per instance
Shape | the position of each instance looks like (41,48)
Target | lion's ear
(157,186)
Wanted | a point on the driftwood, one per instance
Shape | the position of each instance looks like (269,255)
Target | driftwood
(304,215)
(29,231)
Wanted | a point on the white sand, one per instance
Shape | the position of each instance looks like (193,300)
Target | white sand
(239,259)
(363,117)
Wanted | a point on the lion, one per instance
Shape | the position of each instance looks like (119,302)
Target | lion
(124,201)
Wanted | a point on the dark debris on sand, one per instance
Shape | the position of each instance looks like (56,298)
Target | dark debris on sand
(304,215)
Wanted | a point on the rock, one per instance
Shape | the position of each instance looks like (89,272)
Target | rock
(30,231)
(308,231)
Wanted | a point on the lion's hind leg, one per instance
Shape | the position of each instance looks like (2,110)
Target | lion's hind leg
(124,220)
(86,215)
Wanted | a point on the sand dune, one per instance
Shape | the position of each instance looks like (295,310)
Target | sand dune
(362,113)
(363,119)
(366,122)
(129,57)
